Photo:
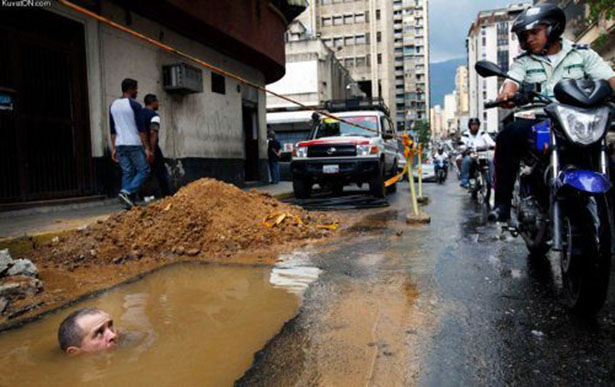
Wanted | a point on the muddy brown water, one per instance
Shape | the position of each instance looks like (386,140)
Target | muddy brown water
(189,324)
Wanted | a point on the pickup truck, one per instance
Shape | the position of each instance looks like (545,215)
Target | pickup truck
(338,153)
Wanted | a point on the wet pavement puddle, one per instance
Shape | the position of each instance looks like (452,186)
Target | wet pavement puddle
(188,324)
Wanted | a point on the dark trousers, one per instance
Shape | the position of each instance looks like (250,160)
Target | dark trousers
(511,143)
(159,170)
(274,170)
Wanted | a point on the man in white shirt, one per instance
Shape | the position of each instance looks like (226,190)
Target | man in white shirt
(474,139)
(129,143)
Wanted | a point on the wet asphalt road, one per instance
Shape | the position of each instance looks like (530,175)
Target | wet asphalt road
(456,302)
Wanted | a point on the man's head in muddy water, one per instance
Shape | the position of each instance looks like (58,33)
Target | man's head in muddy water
(87,330)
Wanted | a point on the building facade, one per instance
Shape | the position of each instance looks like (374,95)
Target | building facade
(313,72)
(449,114)
(66,69)
(462,115)
(436,123)
(384,45)
(490,38)
(313,75)
(411,61)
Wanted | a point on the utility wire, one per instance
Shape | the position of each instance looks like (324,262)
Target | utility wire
(207,65)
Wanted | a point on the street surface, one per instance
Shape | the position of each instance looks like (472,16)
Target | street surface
(455,302)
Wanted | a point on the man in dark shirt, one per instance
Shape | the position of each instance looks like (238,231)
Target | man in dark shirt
(151,123)
(274,152)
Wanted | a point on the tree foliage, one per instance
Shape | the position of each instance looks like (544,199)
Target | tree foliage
(423,132)
(599,9)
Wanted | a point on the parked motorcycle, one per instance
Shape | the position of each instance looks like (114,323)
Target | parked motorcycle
(561,199)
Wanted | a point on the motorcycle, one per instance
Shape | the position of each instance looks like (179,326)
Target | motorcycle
(479,188)
(441,167)
(561,200)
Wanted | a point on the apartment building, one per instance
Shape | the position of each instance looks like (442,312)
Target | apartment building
(490,38)
(462,113)
(384,45)
(411,61)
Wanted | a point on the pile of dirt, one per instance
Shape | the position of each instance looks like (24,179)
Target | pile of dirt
(205,218)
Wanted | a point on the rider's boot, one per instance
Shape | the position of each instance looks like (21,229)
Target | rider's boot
(501,213)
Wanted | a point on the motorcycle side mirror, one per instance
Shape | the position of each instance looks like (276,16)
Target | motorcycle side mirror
(486,69)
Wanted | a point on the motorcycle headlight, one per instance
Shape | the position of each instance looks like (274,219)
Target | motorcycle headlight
(583,126)
(367,150)
(300,152)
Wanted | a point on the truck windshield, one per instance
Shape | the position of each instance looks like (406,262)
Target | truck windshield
(330,127)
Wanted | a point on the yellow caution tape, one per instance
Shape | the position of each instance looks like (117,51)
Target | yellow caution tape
(396,178)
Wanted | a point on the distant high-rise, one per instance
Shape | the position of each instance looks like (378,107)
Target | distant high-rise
(384,45)
(411,42)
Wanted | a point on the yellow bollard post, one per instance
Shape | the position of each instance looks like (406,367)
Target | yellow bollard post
(415,204)
(420,170)
(416,216)
(421,199)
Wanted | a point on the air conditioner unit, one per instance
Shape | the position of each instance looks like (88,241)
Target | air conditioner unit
(182,79)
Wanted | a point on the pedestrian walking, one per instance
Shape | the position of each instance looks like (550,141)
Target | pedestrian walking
(151,123)
(274,152)
(129,143)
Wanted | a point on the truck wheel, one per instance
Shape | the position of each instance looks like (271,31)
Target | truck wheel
(337,189)
(376,186)
(302,188)
(393,187)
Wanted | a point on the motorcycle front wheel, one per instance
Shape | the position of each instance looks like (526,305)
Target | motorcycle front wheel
(485,189)
(586,253)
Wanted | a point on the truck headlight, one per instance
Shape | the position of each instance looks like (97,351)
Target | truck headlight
(300,152)
(583,126)
(367,150)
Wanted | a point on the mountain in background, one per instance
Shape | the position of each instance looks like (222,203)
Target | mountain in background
(443,79)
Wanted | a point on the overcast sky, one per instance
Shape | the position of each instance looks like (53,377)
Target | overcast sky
(450,21)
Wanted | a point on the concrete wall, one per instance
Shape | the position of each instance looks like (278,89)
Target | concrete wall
(204,129)
(313,75)
(206,124)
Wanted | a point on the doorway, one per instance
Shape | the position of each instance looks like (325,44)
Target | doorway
(250,131)
(44,117)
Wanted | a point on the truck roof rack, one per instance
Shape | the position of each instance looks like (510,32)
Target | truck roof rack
(344,105)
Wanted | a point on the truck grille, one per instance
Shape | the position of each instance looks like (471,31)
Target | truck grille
(331,150)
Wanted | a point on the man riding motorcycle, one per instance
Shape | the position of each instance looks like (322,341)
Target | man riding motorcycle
(474,138)
(547,59)
(440,160)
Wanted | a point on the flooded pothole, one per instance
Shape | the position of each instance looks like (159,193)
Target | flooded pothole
(188,324)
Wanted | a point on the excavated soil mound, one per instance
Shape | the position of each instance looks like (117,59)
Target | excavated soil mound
(205,218)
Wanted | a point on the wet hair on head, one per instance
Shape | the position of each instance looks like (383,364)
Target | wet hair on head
(69,333)
(128,84)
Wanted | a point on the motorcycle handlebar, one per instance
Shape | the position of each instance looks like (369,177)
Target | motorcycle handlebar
(491,104)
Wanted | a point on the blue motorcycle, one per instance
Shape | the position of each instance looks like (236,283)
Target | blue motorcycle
(562,198)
